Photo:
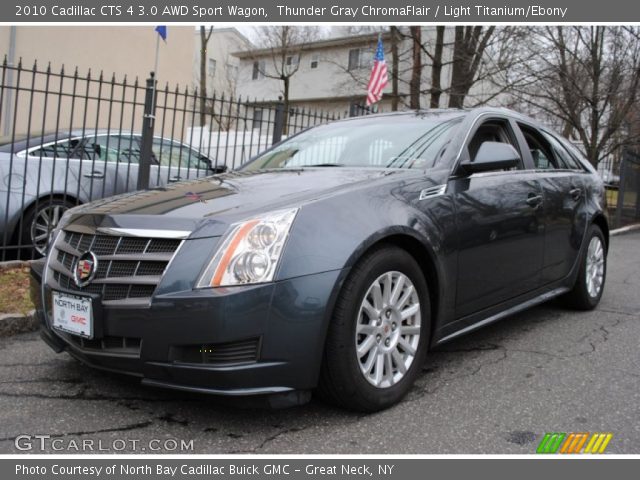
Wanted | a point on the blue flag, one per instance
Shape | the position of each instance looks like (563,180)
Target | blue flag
(162,31)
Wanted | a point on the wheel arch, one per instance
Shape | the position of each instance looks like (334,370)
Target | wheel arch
(423,254)
(601,221)
(42,198)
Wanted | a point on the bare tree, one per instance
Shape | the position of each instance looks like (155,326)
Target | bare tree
(587,79)
(205,36)
(455,65)
(416,68)
(469,46)
(395,61)
(436,69)
(284,44)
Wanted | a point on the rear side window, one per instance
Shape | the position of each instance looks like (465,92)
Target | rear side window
(62,149)
(563,156)
(540,149)
(172,154)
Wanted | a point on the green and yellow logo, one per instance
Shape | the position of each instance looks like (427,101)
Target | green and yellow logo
(574,442)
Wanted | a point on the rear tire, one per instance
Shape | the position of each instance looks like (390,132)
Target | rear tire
(587,291)
(378,337)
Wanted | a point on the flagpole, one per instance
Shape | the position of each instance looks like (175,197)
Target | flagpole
(155,79)
(155,67)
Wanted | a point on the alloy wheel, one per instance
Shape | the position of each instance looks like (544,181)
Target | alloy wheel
(595,267)
(43,224)
(388,329)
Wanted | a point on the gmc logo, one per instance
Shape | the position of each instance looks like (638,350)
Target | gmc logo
(77,319)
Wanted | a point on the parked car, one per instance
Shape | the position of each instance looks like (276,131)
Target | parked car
(48,174)
(332,262)
(610,178)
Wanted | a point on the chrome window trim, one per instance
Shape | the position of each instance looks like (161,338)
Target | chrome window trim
(28,151)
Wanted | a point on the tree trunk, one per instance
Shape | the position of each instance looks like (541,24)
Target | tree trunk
(394,69)
(416,71)
(457,69)
(436,69)
(285,115)
(204,40)
(468,50)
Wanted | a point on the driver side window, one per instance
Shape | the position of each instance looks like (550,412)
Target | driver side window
(491,131)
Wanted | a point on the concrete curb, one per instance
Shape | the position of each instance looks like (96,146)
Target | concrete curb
(14,323)
(622,230)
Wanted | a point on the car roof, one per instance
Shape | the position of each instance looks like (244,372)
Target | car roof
(449,113)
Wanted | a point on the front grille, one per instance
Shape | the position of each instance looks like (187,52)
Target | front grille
(245,351)
(129,268)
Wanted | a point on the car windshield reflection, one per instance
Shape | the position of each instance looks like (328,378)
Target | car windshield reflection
(383,142)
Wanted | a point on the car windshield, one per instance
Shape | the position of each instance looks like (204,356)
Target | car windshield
(382,142)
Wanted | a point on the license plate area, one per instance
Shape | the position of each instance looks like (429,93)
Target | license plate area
(72,314)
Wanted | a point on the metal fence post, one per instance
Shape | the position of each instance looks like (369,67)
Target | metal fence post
(636,187)
(146,142)
(621,189)
(278,123)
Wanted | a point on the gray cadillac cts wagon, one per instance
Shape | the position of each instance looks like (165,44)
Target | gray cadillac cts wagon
(331,262)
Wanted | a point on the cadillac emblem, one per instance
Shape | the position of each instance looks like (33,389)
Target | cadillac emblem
(85,269)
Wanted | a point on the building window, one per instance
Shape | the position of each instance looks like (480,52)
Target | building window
(292,60)
(257,118)
(315,60)
(212,67)
(232,72)
(359,58)
(258,69)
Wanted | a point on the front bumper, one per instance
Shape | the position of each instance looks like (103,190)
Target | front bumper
(283,322)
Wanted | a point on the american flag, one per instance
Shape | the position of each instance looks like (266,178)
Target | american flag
(379,77)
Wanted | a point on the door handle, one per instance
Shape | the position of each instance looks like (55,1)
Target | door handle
(175,178)
(575,193)
(94,174)
(534,200)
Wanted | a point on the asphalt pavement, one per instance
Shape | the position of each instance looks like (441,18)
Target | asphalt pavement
(498,390)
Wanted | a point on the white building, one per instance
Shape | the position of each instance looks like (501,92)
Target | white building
(333,73)
(221,64)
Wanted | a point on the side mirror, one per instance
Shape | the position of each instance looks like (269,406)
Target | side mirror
(218,169)
(492,156)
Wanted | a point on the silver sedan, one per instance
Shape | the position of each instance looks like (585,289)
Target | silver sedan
(45,175)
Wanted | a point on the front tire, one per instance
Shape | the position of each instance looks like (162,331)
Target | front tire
(587,291)
(378,337)
(38,223)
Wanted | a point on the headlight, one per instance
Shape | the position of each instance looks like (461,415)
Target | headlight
(250,251)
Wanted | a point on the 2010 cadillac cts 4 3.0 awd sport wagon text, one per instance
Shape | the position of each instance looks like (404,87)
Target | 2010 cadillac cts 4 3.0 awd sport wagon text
(331,262)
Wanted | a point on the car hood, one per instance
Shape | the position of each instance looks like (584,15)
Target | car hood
(207,206)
